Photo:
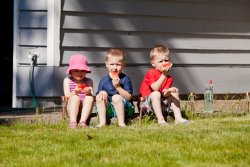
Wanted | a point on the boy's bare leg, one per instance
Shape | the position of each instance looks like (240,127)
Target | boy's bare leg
(175,105)
(73,107)
(87,108)
(156,104)
(117,101)
(101,107)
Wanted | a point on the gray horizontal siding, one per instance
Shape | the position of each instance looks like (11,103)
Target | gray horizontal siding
(105,22)
(32,19)
(23,58)
(147,40)
(32,31)
(178,57)
(192,9)
(33,37)
(208,39)
(197,32)
(33,5)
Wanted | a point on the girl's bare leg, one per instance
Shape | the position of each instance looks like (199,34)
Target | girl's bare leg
(73,107)
(87,108)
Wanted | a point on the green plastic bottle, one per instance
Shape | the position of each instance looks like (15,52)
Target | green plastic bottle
(209,98)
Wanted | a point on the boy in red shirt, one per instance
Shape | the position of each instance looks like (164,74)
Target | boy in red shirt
(157,86)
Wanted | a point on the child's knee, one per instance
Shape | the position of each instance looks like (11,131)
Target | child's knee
(98,98)
(74,99)
(102,96)
(89,99)
(155,94)
(117,98)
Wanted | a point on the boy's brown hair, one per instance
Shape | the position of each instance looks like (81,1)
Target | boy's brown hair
(116,52)
(158,50)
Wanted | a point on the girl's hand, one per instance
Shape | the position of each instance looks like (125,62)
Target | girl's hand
(87,91)
(79,88)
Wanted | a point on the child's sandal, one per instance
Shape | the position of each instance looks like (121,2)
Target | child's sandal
(82,124)
(72,125)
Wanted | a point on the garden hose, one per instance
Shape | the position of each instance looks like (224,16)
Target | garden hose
(31,79)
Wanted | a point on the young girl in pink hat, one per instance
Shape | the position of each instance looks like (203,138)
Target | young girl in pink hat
(78,89)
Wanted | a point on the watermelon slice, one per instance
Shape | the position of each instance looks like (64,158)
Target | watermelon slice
(114,75)
(168,64)
(81,86)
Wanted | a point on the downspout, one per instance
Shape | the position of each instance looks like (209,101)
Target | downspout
(15,53)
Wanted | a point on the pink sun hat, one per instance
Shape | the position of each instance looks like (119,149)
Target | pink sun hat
(78,62)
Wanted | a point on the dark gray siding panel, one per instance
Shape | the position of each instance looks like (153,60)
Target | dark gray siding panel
(33,37)
(33,19)
(43,79)
(179,58)
(33,5)
(24,59)
(156,24)
(142,40)
(162,8)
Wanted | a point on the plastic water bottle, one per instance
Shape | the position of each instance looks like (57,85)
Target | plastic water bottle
(209,97)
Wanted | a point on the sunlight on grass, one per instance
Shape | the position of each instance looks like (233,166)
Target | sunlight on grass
(205,142)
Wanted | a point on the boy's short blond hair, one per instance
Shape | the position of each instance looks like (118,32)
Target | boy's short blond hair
(158,50)
(116,52)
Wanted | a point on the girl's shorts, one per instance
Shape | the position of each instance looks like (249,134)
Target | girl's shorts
(129,109)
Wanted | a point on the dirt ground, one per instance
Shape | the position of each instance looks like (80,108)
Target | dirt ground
(54,115)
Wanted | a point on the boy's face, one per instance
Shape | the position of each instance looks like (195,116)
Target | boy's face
(115,64)
(158,62)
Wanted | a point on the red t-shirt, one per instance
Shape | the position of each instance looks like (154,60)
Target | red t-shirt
(152,76)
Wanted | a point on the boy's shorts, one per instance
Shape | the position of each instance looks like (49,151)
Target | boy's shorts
(165,106)
(129,109)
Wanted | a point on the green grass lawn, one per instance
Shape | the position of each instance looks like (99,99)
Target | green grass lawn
(205,142)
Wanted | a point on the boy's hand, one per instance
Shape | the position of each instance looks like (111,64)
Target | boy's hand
(173,90)
(115,78)
(168,91)
(102,95)
(116,82)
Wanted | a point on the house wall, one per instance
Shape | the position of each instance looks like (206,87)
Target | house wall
(207,39)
